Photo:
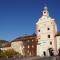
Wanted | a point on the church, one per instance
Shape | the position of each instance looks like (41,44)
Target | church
(45,42)
(47,35)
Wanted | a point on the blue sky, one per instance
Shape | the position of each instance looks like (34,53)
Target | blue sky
(18,17)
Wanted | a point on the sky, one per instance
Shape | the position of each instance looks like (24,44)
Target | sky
(19,17)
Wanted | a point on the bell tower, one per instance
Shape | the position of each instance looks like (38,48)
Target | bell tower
(46,29)
(45,11)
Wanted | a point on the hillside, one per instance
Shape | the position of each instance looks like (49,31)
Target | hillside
(4,43)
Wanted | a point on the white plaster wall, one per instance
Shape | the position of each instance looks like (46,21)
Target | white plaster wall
(58,42)
(17,46)
(42,36)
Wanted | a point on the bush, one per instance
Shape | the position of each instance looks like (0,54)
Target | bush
(9,53)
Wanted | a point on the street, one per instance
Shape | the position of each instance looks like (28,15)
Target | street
(42,58)
(34,58)
(48,58)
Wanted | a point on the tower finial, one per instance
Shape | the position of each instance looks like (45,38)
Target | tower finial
(45,11)
(45,8)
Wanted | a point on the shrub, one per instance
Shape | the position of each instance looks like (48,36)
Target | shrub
(9,53)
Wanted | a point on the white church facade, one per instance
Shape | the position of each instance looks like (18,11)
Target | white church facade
(46,30)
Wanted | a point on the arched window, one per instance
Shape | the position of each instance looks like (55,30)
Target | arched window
(48,28)
(50,43)
(48,36)
(38,30)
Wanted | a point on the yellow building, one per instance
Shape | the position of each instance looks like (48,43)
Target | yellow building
(17,46)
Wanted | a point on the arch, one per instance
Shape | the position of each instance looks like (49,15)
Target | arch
(59,52)
(51,51)
(44,53)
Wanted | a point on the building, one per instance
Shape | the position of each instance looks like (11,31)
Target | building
(46,29)
(26,45)
(17,46)
(46,41)
(5,46)
(58,41)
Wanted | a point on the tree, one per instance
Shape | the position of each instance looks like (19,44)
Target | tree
(9,53)
(0,52)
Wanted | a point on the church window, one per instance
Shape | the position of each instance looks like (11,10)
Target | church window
(50,43)
(39,30)
(44,53)
(48,28)
(44,12)
(48,36)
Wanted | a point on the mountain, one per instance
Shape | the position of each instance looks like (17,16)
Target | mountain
(4,43)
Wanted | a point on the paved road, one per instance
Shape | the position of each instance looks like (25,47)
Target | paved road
(48,58)
(44,58)
(34,58)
